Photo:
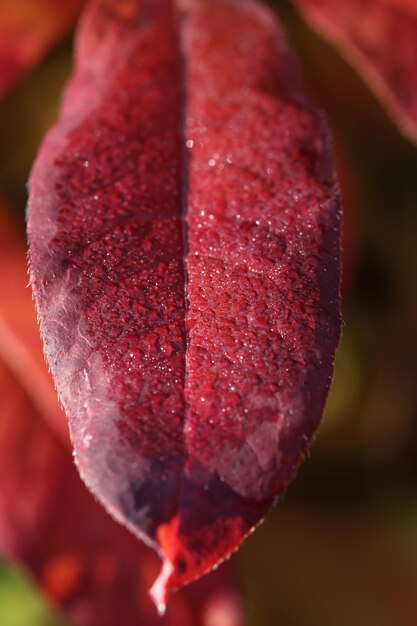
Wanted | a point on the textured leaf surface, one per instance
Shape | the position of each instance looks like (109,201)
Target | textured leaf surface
(46,522)
(379,38)
(184,225)
(46,515)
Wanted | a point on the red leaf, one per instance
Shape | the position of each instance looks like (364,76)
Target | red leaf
(188,302)
(46,515)
(379,38)
(27,29)
(82,559)
(20,345)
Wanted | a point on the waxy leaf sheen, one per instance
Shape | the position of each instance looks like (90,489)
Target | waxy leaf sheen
(184,249)
(379,38)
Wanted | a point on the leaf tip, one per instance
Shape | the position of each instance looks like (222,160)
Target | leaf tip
(159,589)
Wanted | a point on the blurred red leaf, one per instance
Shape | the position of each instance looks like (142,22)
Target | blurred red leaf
(188,415)
(27,29)
(379,38)
(20,344)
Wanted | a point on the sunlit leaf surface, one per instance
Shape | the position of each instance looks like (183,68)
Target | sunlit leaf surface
(184,249)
